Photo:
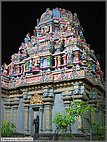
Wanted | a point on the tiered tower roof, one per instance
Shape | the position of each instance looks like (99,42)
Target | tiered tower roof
(57,51)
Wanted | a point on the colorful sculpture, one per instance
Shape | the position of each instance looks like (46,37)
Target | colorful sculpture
(68,50)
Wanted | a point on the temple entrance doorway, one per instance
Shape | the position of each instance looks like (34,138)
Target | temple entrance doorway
(36,120)
(36,113)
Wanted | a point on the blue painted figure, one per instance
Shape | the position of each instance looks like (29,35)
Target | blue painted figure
(56,13)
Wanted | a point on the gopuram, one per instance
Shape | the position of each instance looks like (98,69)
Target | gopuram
(52,67)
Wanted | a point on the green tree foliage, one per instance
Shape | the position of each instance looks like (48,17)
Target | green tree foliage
(7,129)
(97,130)
(65,121)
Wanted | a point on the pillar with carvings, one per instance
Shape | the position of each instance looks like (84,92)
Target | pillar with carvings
(66,99)
(7,113)
(59,61)
(51,27)
(64,59)
(77,56)
(56,62)
(48,113)
(49,60)
(49,63)
(26,119)
(41,118)
(15,114)
(48,104)
(67,102)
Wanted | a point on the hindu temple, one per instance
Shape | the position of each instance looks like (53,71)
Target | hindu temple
(51,68)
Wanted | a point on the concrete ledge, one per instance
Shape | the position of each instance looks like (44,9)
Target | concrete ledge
(58,136)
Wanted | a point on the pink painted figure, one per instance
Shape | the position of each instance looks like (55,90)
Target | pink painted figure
(5,69)
(64,58)
(11,66)
(56,62)
(77,56)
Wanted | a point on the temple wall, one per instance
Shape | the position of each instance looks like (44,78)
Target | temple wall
(20,119)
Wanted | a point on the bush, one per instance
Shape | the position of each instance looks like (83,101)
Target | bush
(64,122)
(7,129)
(97,130)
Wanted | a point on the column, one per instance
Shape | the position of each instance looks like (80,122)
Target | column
(51,28)
(49,59)
(64,59)
(31,117)
(7,113)
(48,117)
(23,68)
(26,119)
(79,122)
(41,118)
(48,113)
(59,60)
(67,102)
(77,56)
(18,69)
(56,62)
(66,99)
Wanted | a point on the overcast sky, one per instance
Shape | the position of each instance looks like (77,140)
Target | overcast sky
(19,18)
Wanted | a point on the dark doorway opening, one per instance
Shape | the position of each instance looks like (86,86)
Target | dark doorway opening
(36,123)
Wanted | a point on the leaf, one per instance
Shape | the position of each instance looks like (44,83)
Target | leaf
(7,129)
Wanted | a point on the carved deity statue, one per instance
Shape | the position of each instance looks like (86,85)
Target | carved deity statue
(11,66)
(5,69)
(68,26)
(27,38)
(36,99)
